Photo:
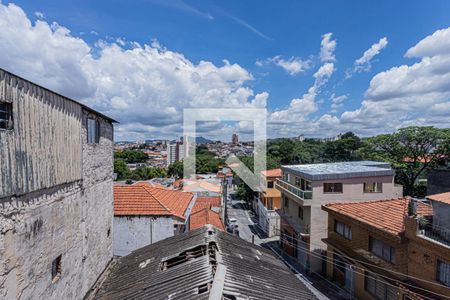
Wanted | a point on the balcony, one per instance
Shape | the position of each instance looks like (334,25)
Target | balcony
(292,189)
(440,235)
(301,229)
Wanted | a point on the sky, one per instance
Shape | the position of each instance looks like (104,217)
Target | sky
(320,68)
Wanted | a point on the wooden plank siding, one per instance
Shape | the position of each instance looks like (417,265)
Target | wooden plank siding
(44,147)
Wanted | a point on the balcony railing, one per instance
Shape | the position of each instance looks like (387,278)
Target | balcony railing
(304,195)
(440,235)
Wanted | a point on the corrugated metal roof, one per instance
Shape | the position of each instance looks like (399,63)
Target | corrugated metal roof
(251,272)
(350,169)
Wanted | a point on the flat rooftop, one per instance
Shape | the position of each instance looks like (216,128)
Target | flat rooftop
(340,170)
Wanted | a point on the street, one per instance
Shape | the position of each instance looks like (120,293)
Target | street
(249,230)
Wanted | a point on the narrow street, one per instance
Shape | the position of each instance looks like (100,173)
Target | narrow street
(249,230)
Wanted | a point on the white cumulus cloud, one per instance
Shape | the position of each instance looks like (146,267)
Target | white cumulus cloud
(327,47)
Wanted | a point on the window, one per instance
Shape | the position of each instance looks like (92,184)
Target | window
(270,184)
(382,250)
(286,177)
(373,187)
(305,185)
(300,212)
(332,187)
(298,181)
(286,202)
(343,229)
(93,131)
(56,268)
(443,273)
(6,117)
(377,288)
(269,204)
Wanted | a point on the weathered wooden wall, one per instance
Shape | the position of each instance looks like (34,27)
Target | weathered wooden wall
(44,148)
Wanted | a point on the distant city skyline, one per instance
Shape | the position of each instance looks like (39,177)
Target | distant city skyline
(320,68)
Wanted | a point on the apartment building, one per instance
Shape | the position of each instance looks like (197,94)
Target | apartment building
(305,188)
(389,249)
(268,202)
(56,193)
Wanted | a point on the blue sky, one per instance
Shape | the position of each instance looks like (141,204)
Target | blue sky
(257,36)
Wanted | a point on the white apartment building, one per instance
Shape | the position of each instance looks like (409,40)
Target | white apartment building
(305,188)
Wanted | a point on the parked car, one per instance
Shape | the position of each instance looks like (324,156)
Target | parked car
(232,225)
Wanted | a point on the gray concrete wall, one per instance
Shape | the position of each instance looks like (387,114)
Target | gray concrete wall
(441,217)
(67,207)
(47,130)
(134,232)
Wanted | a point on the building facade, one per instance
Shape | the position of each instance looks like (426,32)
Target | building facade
(56,193)
(268,202)
(385,250)
(305,188)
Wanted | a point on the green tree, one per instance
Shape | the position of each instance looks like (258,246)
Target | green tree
(176,169)
(121,169)
(131,156)
(344,149)
(411,151)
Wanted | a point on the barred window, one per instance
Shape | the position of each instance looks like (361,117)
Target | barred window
(382,250)
(443,273)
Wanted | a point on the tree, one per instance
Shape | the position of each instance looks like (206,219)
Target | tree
(343,149)
(411,151)
(176,169)
(121,169)
(131,156)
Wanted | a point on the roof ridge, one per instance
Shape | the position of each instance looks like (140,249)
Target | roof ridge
(157,200)
(369,201)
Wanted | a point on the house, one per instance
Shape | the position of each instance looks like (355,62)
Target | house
(56,192)
(268,201)
(207,210)
(202,264)
(376,250)
(145,214)
(429,245)
(305,188)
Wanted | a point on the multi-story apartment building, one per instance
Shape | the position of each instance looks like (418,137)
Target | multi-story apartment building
(56,193)
(177,150)
(305,188)
(268,202)
(390,249)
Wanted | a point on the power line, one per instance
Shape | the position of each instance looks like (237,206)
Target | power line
(367,263)
(320,256)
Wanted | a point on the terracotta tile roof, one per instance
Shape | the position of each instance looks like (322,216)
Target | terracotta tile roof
(443,197)
(145,200)
(272,173)
(387,215)
(206,202)
(203,217)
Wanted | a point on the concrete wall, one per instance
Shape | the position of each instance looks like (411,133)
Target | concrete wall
(34,155)
(133,232)
(441,217)
(67,207)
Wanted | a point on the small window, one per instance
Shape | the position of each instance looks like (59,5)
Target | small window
(270,184)
(305,185)
(382,250)
(300,212)
(56,268)
(443,273)
(93,131)
(298,181)
(343,229)
(332,187)
(373,187)
(6,116)
(270,204)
